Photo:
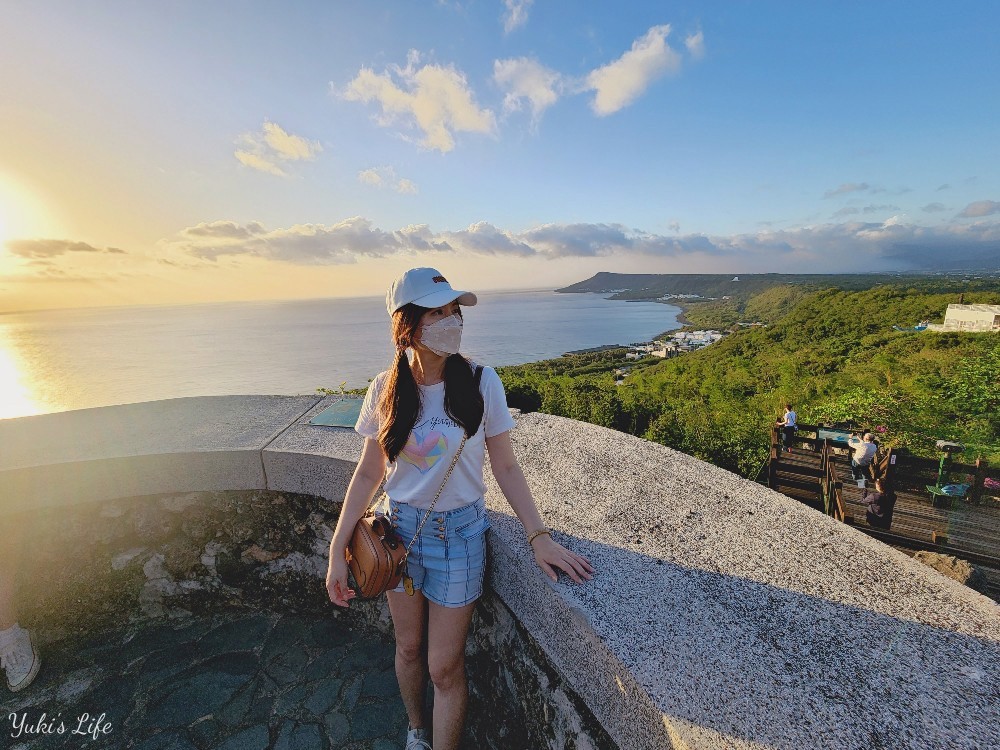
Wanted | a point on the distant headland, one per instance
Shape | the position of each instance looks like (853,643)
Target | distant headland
(674,287)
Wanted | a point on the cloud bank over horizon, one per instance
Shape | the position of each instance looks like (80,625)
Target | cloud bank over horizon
(891,245)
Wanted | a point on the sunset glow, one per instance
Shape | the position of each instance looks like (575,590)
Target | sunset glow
(151,154)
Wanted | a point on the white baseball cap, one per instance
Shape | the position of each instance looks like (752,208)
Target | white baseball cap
(425,287)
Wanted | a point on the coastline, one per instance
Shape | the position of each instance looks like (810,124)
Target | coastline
(591,350)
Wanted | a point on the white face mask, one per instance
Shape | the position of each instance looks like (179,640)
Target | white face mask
(443,336)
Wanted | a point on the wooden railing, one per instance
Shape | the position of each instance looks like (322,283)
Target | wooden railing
(833,496)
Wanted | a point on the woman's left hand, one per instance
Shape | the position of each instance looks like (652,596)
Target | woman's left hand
(550,555)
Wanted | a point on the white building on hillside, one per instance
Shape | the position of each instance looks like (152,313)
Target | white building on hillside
(969,318)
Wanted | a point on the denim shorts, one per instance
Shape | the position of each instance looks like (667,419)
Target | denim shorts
(447,562)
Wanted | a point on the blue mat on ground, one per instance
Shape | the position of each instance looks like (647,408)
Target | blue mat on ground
(343,413)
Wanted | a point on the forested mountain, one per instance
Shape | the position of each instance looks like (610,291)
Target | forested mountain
(831,352)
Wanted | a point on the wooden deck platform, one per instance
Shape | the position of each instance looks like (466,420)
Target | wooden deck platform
(819,475)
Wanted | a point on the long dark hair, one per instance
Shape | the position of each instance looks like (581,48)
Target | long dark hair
(400,400)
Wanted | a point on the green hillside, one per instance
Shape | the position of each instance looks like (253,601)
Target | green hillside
(833,353)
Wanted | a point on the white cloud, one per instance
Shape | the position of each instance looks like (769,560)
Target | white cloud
(523,79)
(51,248)
(878,209)
(258,162)
(385,177)
(515,14)
(980,208)
(267,150)
(289,147)
(847,187)
(695,44)
(889,245)
(621,82)
(433,98)
(405,186)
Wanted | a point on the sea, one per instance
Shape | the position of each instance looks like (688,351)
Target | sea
(57,360)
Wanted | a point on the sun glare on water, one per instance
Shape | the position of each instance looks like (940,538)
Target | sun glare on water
(15,395)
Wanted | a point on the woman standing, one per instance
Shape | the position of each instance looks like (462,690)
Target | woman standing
(414,419)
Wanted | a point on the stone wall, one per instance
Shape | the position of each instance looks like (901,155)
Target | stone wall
(146,560)
(723,614)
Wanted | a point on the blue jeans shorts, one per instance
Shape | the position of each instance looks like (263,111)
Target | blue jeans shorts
(448,561)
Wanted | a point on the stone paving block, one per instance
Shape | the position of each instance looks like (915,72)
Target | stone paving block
(158,637)
(371,722)
(252,738)
(169,740)
(326,694)
(332,631)
(244,634)
(233,713)
(364,654)
(117,696)
(291,700)
(287,666)
(294,736)
(337,727)
(160,666)
(382,684)
(251,704)
(204,733)
(325,664)
(351,690)
(194,696)
(261,708)
(287,631)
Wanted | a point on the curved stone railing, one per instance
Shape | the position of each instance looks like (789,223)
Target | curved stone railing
(723,615)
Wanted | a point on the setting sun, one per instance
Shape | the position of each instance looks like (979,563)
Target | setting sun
(23,214)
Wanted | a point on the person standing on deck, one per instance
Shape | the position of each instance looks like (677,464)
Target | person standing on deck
(788,424)
(864,453)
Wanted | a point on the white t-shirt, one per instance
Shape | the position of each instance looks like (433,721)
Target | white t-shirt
(416,474)
(863,452)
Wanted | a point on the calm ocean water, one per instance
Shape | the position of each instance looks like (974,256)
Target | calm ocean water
(71,359)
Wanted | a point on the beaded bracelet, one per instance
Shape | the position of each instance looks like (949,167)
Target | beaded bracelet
(539,532)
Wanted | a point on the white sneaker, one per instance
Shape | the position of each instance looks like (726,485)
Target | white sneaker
(19,657)
(416,739)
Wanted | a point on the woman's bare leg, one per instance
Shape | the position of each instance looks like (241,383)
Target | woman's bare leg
(446,632)
(409,620)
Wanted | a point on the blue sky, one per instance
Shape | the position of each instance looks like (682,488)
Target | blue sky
(210,151)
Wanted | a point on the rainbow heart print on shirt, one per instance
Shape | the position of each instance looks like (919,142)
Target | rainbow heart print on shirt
(424,450)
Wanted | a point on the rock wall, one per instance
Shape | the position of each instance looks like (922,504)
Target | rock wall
(146,560)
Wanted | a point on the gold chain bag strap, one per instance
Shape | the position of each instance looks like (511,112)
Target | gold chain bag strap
(376,556)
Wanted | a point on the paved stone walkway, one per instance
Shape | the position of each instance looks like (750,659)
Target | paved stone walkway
(222,682)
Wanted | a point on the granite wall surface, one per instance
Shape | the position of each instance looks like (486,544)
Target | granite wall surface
(724,615)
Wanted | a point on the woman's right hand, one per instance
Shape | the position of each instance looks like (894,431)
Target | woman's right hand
(336,580)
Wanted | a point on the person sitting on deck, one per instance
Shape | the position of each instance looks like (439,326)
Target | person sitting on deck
(864,452)
(788,427)
(880,504)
